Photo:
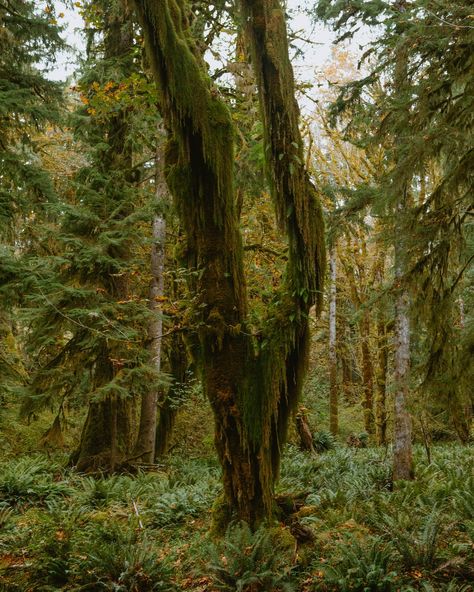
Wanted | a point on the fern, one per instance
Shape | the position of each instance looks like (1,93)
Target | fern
(249,562)
(359,568)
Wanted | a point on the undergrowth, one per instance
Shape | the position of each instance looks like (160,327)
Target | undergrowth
(63,531)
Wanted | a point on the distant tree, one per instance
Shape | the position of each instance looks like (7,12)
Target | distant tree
(422,115)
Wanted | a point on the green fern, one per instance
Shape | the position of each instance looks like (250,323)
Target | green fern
(112,557)
(249,562)
(360,568)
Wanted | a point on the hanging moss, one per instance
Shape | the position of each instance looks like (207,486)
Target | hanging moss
(252,393)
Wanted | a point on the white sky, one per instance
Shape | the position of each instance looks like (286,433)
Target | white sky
(314,55)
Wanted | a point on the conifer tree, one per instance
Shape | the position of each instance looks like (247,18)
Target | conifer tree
(89,304)
(29,102)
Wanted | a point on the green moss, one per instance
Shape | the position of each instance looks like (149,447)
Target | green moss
(221,517)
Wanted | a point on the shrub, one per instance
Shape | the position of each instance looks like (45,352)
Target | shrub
(114,558)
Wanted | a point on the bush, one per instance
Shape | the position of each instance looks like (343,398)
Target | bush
(323,441)
(112,557)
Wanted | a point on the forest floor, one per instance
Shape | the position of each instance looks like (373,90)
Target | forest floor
(63,531)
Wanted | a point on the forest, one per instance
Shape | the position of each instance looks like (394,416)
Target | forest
(237,296)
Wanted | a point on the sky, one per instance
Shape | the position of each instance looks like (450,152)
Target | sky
(307,65)
(314,56)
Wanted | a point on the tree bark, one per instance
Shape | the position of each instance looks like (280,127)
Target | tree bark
(403,468)
(381,383)
(168,408)
(367,373)
(402,446)
(333,386)
(107,435)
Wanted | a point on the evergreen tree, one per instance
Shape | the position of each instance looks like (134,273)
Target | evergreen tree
(89,323)
(29,103)
(423,116)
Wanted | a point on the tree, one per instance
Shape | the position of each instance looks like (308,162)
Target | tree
(422,116)
(252,384)
(88,297)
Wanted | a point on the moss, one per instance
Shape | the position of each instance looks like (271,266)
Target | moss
(221,517)
(252,393)
(283,541)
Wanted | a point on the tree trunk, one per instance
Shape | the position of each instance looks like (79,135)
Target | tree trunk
(145,445)
(402,447)
(107,435)
(381,376)
(333,386)
(168,407)
(252,393)
(403,468)
(304,431)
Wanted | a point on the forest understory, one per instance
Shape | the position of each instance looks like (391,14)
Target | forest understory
(344,525)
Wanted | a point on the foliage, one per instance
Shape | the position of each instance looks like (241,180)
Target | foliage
(117,559)
(323,441)
(359,567)
(29,480)
(247,561)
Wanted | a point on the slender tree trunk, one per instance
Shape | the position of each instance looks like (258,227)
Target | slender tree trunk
(367,374)
(333,386)
(403,468)
(381,385)
(402,446)
(145,446)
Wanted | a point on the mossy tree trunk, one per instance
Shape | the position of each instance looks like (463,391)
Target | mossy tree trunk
(251,391)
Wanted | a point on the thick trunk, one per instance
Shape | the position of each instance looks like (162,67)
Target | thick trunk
(107,435)
(251,393)
(333,386)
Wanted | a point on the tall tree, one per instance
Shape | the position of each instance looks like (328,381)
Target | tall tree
(252,384)
(423,115)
